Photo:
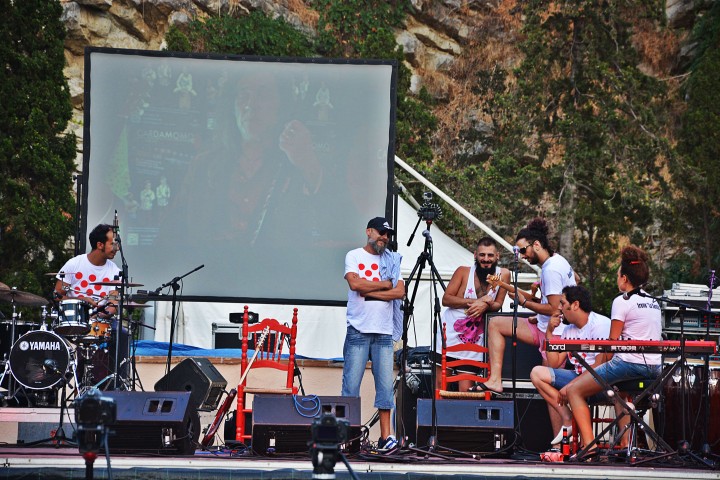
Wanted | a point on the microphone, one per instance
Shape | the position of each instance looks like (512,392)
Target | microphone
(116,223)
(634,291)
(426,234)
(516,252)
(51,366)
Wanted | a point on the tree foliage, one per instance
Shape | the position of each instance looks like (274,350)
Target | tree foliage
(595,124)
(36,154)
(697,216)
(253,34)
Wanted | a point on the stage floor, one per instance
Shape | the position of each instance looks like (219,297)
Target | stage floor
(64,462)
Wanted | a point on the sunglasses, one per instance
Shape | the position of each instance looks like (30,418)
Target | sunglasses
(524,249)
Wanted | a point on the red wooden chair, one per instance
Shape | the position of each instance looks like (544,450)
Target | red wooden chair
(460,369)
(268,337)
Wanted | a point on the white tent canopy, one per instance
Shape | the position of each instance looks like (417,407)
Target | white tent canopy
(321,329)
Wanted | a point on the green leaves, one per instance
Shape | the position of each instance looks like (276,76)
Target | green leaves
(37,156)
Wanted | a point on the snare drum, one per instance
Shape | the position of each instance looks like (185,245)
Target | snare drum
(73,318)
(39,359)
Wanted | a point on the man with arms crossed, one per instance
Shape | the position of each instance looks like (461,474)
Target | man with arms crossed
(373,275)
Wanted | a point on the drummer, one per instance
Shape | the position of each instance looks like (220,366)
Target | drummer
(77,278)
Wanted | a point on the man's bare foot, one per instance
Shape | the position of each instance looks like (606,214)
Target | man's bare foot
(494,385)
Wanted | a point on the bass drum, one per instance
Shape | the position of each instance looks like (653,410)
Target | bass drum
(39,359)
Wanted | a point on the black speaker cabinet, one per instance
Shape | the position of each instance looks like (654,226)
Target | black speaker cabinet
(153,422)
(533,419)
(199,377)
(281,423)
(467,425)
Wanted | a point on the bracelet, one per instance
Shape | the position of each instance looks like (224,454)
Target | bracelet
(524,302)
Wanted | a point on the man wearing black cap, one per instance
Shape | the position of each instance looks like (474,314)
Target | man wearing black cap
(373,274)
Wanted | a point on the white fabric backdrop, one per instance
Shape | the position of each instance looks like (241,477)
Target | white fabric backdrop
(321,330)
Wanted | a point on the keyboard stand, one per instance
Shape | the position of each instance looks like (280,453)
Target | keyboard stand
(648,392)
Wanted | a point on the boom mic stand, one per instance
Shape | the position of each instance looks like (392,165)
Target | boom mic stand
(175,287)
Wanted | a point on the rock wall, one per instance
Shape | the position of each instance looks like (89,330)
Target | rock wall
(435,36)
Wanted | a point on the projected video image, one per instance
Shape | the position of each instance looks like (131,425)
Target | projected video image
(265,172)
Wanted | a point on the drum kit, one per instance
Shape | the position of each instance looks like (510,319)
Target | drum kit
(67,341)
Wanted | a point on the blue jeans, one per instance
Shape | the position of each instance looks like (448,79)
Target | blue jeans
(561,377)
(358,349)
(617,370)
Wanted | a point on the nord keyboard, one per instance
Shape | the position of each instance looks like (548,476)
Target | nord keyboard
(631,346)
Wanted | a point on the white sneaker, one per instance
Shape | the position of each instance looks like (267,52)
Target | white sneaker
(388,444)
(558,438)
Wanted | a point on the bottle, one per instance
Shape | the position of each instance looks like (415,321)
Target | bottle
(565,445)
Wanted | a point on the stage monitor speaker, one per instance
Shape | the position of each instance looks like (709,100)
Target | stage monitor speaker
(153,422)
(466,425)
(279,425)
(199,377)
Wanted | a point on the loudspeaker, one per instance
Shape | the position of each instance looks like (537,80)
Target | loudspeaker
(533,419)
(157,422)
(467,425)
(199,377)
(281,423)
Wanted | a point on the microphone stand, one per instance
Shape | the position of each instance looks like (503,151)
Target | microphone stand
(516,304)
(705,399)
(175,287)
(124,279)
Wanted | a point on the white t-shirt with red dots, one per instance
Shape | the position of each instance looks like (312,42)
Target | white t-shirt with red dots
(80,274)
(367,316)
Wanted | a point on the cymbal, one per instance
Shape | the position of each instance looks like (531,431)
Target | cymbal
(54,274)
(116,283)
(3,287)
(25,299)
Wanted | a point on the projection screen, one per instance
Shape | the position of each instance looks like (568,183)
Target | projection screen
(264,170)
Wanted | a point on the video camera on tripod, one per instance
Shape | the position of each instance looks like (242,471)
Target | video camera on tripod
(328,433)
(93,414)
(429,211)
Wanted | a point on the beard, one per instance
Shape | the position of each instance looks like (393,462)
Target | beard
(377,248)
(482,272)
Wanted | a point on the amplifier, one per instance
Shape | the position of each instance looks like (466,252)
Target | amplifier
(467,425)
(228,335)
(280,425)
(693,321)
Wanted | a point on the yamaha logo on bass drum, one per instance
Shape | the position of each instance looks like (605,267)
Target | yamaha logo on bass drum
(42,346)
